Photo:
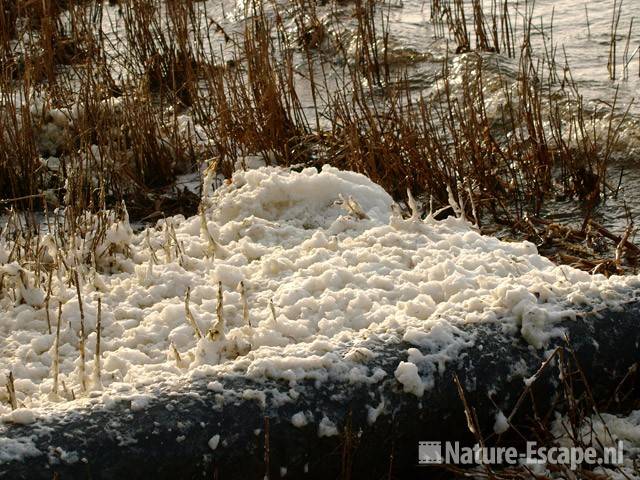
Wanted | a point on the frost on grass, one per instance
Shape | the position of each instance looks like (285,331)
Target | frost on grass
(283,275)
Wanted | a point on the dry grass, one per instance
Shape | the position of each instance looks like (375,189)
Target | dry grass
(127,101)
(574,399)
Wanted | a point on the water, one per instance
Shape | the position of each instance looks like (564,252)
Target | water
(559,34)
(581,51)
(419,46)
(557,26)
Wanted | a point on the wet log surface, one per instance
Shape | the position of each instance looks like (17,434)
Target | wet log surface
(169,439)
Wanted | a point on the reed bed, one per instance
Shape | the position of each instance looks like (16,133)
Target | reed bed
(108,103)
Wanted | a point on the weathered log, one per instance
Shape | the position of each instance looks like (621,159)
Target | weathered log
(170,438)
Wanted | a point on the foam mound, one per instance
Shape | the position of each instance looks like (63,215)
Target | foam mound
(308,199)
(311,265)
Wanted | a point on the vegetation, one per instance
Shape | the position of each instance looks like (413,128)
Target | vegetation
(109,103)
(581,425)
(104,105)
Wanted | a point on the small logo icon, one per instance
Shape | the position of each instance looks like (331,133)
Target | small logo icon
(429,453)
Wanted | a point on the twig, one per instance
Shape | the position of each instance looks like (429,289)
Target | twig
(56,352)
(11,390)
(83,377)
(97,366)
(189,315)
(245,304)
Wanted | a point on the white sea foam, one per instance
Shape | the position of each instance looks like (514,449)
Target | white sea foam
(334,281)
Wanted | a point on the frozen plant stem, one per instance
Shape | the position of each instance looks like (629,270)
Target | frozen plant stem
(56,352)
(353,207)
(47,300)
(273,311)
(152,255)
(167,243)
(98,372)
(621,245)
(213,246)
(413,206)
(245,304)
(11,389)
(83,380)
(176,354)
(218,328)
(189,315)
